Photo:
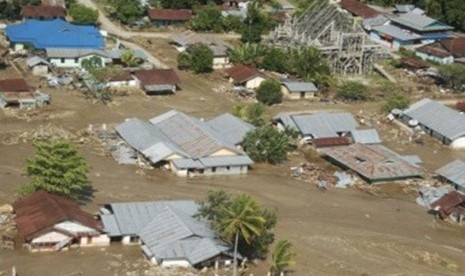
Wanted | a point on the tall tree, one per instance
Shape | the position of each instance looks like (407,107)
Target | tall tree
(83,15)
(254,24)
(207,19)
(307,63)
(267,144)
(269,92)
(126,11)
(282,257)
(201,57)
(57,167)
(251,54)
(242,219)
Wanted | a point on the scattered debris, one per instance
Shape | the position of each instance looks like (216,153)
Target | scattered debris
(428,195)
(344,180)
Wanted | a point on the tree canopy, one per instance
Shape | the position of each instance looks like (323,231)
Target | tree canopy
(126,11)
(207,19)
(282,257)
(352,91)
(129,58)
(454,75)
(252,113)
(57,167)
(269,92)
(396,100)
(254,24)
(83,15)
(199,58)
(267,144)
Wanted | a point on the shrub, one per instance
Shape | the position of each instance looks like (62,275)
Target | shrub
(269,92)
(352,91)
(396,100)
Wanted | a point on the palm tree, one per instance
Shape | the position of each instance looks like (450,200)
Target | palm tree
(251,54)
(282,257)
(129,58)
(241,218)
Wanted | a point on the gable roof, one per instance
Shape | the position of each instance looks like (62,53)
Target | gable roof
(366,136)
(41,211)
(73,52)
(187,38)
(455,46)
(373,162)
(157,77)
(438,117)
(396,32)
(358,8)
(35,60)
(55,33)
(434,49)
(14,85)
(230,127)
(45,12)
(319,124)
(170,14)
(421,23)
(454,172)
(297,86)
(173,235)
(242,73)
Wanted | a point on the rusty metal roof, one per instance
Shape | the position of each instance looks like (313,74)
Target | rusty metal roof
(330,142)
(358,8)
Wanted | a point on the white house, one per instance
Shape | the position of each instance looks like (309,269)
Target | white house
(48,222)
(122,79)
(245,77)
(73,58)
(38,65)
(296,90)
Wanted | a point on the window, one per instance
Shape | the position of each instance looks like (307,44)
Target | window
(76,60)
(228,168)
(62,60)
(214,169)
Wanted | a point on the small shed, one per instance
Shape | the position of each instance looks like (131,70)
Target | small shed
(38,65)
(245,76)
(451,205)
(296,90)
(166,17)
(158,81)
(453,173)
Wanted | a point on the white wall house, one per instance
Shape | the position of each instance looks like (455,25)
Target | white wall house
(73,58)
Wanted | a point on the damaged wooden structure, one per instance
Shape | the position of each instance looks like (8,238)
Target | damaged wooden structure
(339,37)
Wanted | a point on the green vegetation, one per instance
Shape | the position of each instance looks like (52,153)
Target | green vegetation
(352,91)
(252,113)
(207,19)
(198,58)
(57,167)
(397,100)
(83,15)
(454,75)
(240,221)
(251,54)
(232,23)
(269,92)
(254,24)
(308,64)
(129,58)
(282,257)
(92,63)
(276,59)
(267,144)
(126,11)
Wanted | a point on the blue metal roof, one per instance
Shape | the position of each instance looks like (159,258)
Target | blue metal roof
(55,33)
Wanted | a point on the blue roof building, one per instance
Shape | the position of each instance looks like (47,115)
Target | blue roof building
(55,34)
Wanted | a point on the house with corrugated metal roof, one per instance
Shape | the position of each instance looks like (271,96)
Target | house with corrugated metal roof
(189,146)
(453,173)
(49,222)
(296,90)
(374,163)
(441,122)
(167,231)
(74,57)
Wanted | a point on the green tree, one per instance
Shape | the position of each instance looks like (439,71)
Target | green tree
(352,91)
(252,113)
(254,24)
(83,15)
(276,59)
(251,54)
(178,4)
(282,257)
(184,60)
(201,58)
(232,23)
(267,144)
(207,19)
(92,63)
(269,92)
(129,58)
(396,100)
(454,75)
(241,219)
(57,167)
(126,11)
(308,64)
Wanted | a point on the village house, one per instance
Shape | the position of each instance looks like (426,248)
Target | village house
(444,51)
(48,222)
(122,79)
(55,33)
(188,38)
(43,12)
(358,9)
(189,146)
(244,77)
(158,81)
(317,125)
(55,3)
(17,93)
(166,17)
(296,90)
(74,57)
(453,173)
(168,233)
(38,65)
(450,206)
(374,163)
(441,122)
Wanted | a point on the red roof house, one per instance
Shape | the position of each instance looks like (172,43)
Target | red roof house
(163,17)
(14,85)
(358,8)
(158,81)
(51,222)
(43,12)
(452,203)
(246,76)
(455,46)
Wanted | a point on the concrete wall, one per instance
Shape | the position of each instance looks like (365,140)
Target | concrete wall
(221,62)
(50,237)
(296,96)
(254,83)
(126,240)
(220,170)
(115,84)
(446,60)
(40,70)
(175,263)
(101,240)
(72,62)
(458,143)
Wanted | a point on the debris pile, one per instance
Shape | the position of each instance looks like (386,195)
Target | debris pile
(428,195)
(42,132)
(7,228)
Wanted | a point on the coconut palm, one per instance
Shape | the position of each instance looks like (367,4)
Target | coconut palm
(129,58)
(241,219)
(248,54)
(282,257)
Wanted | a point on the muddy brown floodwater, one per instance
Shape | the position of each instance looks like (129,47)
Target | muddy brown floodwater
(339,232)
